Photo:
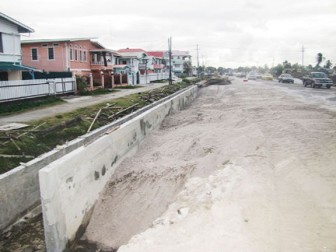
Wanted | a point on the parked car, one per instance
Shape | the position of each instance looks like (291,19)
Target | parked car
(251,76)
(267,77)
(317,79)
(286,78)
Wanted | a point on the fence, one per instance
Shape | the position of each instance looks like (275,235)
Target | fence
(24,89)
(153,77)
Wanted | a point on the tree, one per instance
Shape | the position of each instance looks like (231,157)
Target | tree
(319,59)
(286,64)
(328,64)
(187,68)
(220,70)
(210,69)
(277,70)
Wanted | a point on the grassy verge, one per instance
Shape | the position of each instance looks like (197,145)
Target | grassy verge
(25,105)
(59,129)
(128,87)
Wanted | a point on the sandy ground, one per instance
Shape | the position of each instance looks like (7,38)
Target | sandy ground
(245,168)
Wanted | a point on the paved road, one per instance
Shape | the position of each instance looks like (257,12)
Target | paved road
(73,103)
(321,97)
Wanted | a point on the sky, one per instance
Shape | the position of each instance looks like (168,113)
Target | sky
(228,33)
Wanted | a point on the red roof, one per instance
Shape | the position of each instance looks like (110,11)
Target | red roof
(130,50)
(157,54)
(157,66)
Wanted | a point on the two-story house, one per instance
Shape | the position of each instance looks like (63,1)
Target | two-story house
(82,56)
(10,50)
(157,61)
(138,62)
(178,59)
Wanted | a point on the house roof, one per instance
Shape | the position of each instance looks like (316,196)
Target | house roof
(156,54)
(180,53)
(133,54)
(106,50)
(21,27)
(30,41)
(131,50)
(10,66)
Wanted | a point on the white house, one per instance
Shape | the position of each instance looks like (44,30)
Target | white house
(178,59)
(10,48)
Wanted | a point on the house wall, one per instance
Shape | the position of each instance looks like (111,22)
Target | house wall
(58,64)
(10,41)
(62,60)
(14,75)
(78,64)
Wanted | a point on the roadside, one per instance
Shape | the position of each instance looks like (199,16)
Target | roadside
(73,103)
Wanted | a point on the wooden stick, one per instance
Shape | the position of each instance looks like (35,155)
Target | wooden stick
(111,116)
(16,156)
(98,113)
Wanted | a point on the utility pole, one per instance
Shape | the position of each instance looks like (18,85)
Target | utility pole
(303,49)
(197,62)
(170,57)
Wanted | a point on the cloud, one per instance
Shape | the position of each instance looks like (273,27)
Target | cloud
(240,32)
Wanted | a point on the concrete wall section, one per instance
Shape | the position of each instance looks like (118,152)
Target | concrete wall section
(71,185)
(19,188)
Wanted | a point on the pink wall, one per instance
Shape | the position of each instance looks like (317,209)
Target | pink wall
(61,60)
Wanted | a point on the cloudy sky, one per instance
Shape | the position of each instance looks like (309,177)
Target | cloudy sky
(229,33)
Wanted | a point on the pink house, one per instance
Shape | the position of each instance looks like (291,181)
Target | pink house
(81,56)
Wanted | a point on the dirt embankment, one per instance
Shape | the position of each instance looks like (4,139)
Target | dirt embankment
(245,168)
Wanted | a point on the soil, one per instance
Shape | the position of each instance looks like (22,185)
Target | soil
(245,168)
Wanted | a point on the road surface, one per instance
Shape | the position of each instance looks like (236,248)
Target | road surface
(247,167)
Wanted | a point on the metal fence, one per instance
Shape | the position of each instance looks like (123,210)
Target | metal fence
(24,89)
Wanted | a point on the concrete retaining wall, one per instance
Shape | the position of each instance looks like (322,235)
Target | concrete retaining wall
(71,185)
(19,188)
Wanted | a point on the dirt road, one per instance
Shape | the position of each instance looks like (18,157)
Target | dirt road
(245,168)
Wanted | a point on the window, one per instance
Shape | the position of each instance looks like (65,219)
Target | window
(80,55)
(1,46)
(76,54)
(84,56)
(70,53)
(44,45)
(55,44)
(51,55)
(34,54)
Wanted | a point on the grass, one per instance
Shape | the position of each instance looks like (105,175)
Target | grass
(26,105)
(98,91)
(41,141)
(128,87)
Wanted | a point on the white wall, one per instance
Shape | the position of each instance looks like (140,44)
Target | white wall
(14,75)
(70,186)
(11,42)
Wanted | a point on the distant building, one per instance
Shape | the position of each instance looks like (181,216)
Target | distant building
(178,59)
(10,50)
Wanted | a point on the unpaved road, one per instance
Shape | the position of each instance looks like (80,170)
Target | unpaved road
(248,167)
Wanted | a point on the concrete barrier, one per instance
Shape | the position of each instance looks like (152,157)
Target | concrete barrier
(19,188)
(70,186)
